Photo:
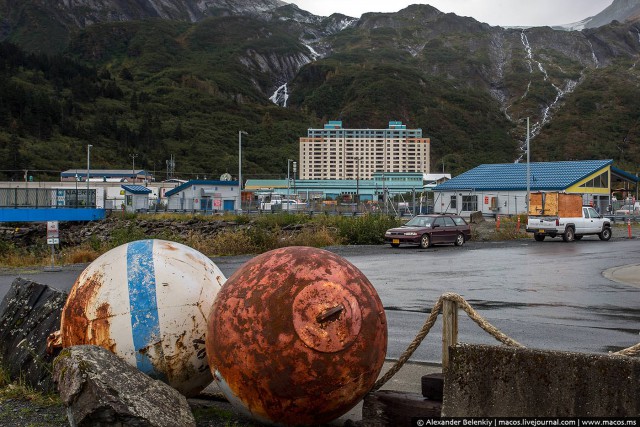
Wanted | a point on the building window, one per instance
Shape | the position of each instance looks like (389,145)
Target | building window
(453,204)
(469,203)
(600,181)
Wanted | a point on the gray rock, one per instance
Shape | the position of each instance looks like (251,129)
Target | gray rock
(99,388)
(476,217)
(29,312)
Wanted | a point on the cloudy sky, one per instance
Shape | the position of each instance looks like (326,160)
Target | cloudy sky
(493,12)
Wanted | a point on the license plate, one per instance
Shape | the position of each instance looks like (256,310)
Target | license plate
(396,241)
(541,231)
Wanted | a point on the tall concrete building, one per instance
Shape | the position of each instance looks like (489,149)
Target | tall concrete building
(337,153)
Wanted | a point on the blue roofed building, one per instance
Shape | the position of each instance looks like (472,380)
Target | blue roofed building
(501,189)
(204,196)
(136,198)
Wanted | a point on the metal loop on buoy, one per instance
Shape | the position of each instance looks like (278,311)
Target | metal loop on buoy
(328,314)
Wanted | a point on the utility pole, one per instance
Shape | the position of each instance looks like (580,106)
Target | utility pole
(133,166)
(528,170)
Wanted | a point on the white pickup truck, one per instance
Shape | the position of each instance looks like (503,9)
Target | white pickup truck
(560,214)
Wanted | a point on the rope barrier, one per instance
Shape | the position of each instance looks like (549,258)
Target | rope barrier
(632,351)
(479,320)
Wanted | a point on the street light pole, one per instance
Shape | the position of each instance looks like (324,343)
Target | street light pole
(88,169)
(358,181)
(240,132)
(528,170)
(295,171)
(240,156)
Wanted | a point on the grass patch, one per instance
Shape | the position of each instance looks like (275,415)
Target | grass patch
(510,229)
(212,412)
(18,389)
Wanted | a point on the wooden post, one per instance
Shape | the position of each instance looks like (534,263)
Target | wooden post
(449,330)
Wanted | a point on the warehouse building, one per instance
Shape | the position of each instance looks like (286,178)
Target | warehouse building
(501,189)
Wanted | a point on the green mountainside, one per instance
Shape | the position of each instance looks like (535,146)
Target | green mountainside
(160,87)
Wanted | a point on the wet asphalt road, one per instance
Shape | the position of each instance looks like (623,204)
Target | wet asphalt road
(546,295)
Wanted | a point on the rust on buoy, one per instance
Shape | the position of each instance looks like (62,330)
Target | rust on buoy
(296,336)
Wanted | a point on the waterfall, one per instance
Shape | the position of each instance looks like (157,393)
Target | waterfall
(593,55)
(280,96)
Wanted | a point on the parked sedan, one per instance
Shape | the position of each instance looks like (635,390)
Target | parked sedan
(627,210)
(427,230)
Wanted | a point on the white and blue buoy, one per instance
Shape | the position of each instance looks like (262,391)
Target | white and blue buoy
(148,302)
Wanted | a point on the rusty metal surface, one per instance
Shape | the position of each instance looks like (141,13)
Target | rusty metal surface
(327,316)
(297,336)
(148,302)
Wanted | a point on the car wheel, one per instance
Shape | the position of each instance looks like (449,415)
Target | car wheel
(539,237)
(459,240)
(569,234)
(605,234)
(425,241)
(578,237)
(395,245)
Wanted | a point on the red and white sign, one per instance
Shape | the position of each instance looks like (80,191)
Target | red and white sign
(486,200)
(53,233)
(217,203)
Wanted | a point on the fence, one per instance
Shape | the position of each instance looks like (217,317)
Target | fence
(46,198)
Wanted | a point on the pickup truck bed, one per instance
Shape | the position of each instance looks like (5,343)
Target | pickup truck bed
(589,223)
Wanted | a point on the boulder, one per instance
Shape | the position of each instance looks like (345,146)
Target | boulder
(29,312)
(476,217)
(99,388)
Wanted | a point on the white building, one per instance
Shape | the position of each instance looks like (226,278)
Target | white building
(205,196)
(136,198)
(354,154)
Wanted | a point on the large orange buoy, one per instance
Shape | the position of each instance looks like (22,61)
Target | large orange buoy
(147,301)
(296,336)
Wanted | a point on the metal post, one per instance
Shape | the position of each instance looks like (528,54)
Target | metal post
(414,201)
(358,183)
(88,169)
(288,180)
(240,132)
(528,170)
(295,170)
(133,167)
(240,159)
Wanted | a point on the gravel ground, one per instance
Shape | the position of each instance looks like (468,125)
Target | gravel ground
(210,411)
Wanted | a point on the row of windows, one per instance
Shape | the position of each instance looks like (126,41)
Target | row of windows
(600,181)
(364,134)
(469,203)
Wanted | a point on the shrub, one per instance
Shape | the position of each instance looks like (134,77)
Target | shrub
(365,230)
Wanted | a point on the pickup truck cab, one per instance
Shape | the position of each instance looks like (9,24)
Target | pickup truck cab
(570,228)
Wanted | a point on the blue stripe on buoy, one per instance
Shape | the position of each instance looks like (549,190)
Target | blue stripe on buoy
(145,323)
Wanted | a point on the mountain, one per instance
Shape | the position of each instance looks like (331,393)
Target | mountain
(619,10)
(167,77)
